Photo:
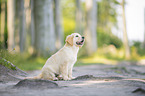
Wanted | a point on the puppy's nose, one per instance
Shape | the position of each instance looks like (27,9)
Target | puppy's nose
(83,37)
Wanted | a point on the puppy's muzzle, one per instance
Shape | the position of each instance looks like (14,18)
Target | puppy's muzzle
(81,42)
(83,38)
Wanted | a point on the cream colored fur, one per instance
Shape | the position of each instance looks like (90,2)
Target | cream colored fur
(62,62)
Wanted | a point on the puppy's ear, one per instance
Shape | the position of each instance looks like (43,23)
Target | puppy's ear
(69,40)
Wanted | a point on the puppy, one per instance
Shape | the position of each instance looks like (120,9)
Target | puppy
(60,65)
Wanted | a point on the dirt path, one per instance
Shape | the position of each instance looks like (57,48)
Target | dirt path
(92,80)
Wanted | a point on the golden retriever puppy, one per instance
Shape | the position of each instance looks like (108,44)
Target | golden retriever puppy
(60,65)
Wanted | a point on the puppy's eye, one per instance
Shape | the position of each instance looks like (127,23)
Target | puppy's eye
(77,36)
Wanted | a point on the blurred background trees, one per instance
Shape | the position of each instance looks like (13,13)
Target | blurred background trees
(39,27)
(91,26)
(125,38)
(44,27)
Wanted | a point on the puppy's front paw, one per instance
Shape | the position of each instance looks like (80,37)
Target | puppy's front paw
(73,77)
(70,78)
(60,77)
(55,79)
(65,78)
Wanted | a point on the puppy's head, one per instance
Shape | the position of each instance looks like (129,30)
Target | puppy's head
(75,39)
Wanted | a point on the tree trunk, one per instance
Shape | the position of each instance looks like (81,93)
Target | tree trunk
(79,27)
(32,28)
(144,30)
(58,25)
(90,31)
(125,38)
(27,25)
(2,27)
(44,27)
(22,31)
(11,24)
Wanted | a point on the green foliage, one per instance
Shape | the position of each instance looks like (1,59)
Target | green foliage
(69,26)
(7,64)
(107,15)
(134,53)
(105,38)
(27,62)
(137,46)
(68,8)
(22,61)
(5,57)
(68,12)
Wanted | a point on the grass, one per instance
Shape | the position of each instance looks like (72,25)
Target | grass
(22,61)
(26,62)
(102,56)
(98,59)
(7,64)
(30,63)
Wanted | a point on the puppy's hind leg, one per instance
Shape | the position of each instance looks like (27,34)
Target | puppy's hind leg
(48,75)
(35,77)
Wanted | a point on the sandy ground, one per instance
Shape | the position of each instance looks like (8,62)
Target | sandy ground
(94,80)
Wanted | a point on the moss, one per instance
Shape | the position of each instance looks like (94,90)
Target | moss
(7,64)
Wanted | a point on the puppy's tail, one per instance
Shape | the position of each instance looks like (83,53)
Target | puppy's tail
(35,77)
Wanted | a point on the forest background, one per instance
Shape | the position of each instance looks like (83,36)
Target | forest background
(32,30)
